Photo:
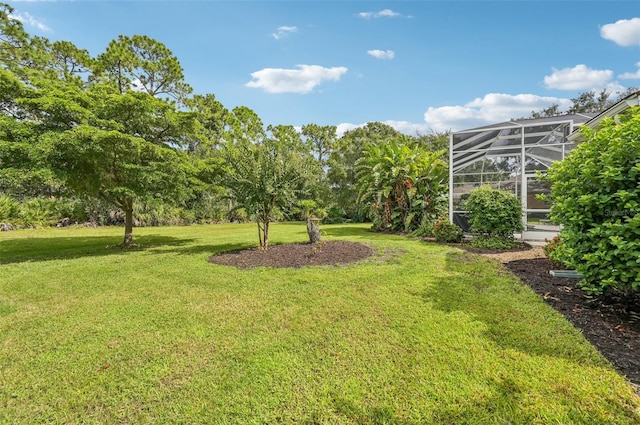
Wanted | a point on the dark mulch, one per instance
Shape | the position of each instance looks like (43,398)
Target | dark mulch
(296,255)
(611,324)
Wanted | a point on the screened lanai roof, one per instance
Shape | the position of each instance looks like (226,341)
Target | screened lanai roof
(536,136)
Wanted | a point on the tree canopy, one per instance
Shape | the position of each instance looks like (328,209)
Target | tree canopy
(123,129)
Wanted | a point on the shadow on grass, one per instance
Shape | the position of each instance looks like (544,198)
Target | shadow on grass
(337,230)
(72,247)
(365,414)
(209,249)
(513,317)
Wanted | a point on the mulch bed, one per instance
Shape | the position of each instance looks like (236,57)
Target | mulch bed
(296,255)
(610,324)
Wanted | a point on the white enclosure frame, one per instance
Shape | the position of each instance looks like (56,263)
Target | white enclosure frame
(512,152)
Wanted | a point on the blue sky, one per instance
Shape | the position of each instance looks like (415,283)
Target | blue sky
(416,65)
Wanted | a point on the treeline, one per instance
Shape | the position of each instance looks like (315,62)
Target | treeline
(121,138)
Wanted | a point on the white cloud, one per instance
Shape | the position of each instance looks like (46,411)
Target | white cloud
(410,128)
(301,80)
(631,75)
(492,108)
(385,13)
(580,77)
(283,31)
(625,32)
(345,126)
(381,54)
(29,20)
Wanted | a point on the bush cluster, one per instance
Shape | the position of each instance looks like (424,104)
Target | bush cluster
(494,216)
(596,197)
(447,232)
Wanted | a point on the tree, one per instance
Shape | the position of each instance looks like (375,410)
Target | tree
(586,102)
(25,114)
(321,141)
(590,102)
(551,111)
(262,173)
(117,162)
(312,214)
(68,62)
(401,183)
(100,137)
(144,64)
(342,175)
(212,123)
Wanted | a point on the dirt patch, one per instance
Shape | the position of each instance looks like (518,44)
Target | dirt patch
(296,255)
(611,324)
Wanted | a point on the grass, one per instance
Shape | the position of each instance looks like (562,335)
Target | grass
(419,334)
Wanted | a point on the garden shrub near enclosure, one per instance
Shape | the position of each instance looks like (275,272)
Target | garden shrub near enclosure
(596,197)
(447,232)
(494,216)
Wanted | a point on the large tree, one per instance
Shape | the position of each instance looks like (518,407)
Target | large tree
(109,128)
(144,64)
(122,153)
(321,141)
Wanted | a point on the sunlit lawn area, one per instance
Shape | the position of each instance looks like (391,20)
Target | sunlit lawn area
(420,334)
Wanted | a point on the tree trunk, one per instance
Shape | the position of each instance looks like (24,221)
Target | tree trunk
(266,234)
(128,225)
(259,233)
(313,230)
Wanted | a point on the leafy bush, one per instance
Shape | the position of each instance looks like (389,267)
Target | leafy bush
(9,209)
(553,250)
(425,229)
(494,213)
(447,232)
(336,215)
(493,242)
(400,182)
(596,197)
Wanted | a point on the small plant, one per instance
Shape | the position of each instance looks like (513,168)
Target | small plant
(551,246)
(317,247)
(555,251)
(9,208)
(447,232)
(493,242)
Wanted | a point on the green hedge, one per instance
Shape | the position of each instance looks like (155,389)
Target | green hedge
(596,197)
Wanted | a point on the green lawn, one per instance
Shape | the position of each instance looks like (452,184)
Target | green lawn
(419,334)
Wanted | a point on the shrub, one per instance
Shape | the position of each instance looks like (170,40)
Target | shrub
(9,209)
(336,215)
(447,232)
(494,213)
(493,242)
(425,229)
(596,197)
